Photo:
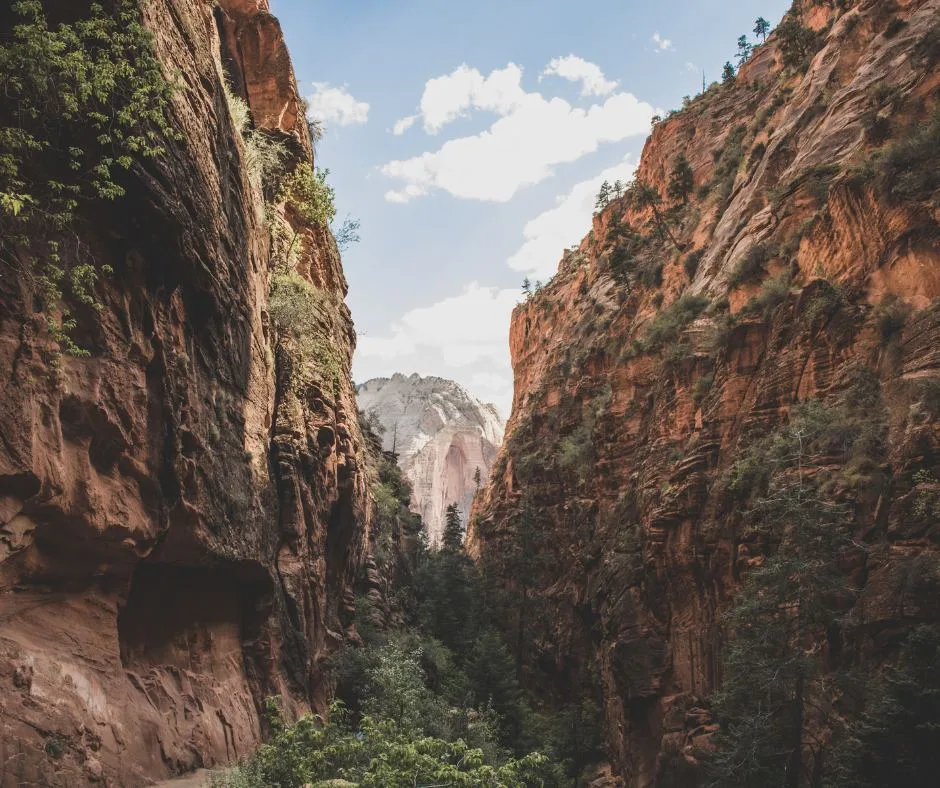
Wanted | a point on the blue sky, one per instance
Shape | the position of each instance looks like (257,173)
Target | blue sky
(510,113)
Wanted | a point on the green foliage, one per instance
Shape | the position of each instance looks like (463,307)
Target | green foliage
(761,28)
(896,741)
(303,315)
(264,155)
(773,293)
(775,692)
(751,266)
(308,193)
(797,42)
(452,539)
(908,169)
(83,101)
(681,180)
(690,264)
(667,326)
(376,754)
(727,73)
(729,162)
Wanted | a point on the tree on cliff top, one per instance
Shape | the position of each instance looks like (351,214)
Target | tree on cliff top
(761,28)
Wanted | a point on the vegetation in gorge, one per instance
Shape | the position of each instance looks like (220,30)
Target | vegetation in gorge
(431,696)
(83,101)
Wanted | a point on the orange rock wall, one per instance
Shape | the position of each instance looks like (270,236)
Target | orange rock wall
(640,547)
(178,534)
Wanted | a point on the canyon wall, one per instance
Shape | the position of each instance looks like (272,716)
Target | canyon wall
(180,522)
(442,435)
(801,259)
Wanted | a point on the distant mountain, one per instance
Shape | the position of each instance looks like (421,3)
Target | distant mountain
(442,435)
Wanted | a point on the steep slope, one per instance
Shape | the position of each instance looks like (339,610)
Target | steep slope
(800,263)
(442,436)
(181,514)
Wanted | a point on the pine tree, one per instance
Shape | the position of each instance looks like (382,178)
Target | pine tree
(727,73)
(603,197)
(744,50)
(896,741)
(452,538)
(618,189)
(682,180)
(773,694)
(761,28)
(527,286)
(477,478)
(643,195)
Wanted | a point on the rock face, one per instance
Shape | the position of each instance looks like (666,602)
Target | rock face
(179,525)
(619,445)
(442,436)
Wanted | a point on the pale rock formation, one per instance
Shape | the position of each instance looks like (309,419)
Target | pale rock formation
(442,435)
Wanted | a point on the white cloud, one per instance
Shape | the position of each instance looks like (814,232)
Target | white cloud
(576,69)
(661,44)
(401,126)
(518,149)
(464,329)
(336,105)
(549,233)
(452,96)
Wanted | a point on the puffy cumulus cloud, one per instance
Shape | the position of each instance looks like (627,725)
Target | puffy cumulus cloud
(576,69)
(452,96)
(519,149)
(661,44)
(549,233)
(336,105)
(465,328)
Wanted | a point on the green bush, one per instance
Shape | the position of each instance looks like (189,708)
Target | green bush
(751,266)
(82,102)
(797,42)
(690,264)
(668,324)
(304,315)
(908,169)
(376,754)
(773,292)
(264,155)
(308,193)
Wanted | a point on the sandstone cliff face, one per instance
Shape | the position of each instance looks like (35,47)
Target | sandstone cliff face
(639,545)
(442,436)
(178,527)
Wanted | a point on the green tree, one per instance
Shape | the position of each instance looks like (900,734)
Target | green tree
(896,740)
(796,41)
(452,539)
(477,478)
(773,695)
(643,195)
(527,287)
(727,73)
(603,197)
(744,50)
(681,180)
(761,28)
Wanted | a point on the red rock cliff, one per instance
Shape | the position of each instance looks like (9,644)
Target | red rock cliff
(179,525)
(618,446)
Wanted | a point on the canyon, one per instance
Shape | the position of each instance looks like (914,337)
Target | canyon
(201,513)
(446,440)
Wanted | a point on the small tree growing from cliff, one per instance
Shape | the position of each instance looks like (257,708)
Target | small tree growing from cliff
(603,197)
(761,28)
(682,180)
(744,50)
(727,73)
